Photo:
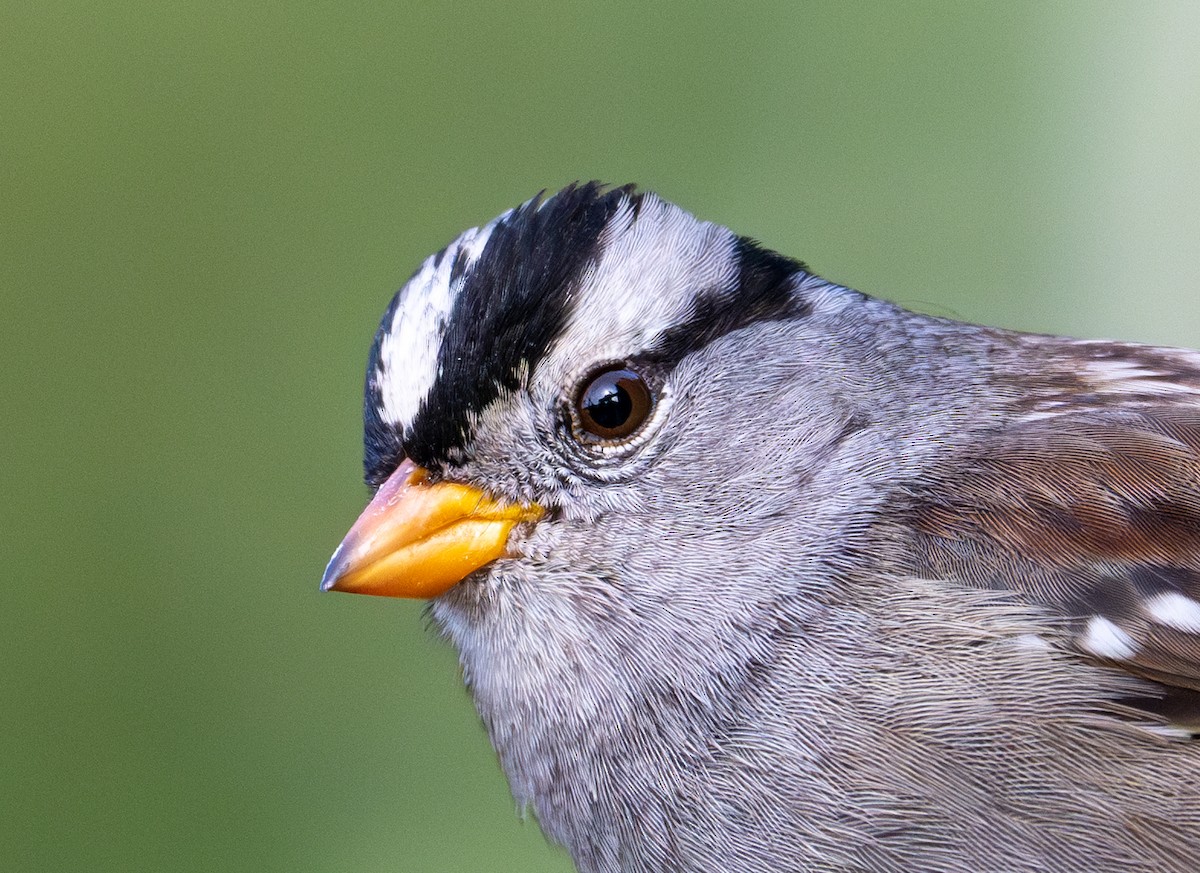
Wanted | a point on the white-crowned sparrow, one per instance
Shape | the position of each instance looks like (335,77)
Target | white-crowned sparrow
(749,571)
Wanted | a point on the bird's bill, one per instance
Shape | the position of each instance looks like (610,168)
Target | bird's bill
(415,539)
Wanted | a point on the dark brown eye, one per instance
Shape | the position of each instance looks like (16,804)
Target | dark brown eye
(614,404)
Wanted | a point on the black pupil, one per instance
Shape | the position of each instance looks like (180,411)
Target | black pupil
(607,402)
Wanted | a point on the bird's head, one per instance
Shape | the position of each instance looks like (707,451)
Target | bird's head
(604,430)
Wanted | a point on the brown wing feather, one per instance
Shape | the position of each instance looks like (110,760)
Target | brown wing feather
(1095,516)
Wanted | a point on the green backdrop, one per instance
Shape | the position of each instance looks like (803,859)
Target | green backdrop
(204,209)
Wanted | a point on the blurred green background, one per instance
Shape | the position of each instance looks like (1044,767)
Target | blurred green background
(204,210)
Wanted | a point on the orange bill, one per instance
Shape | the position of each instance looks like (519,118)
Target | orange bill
(417,540)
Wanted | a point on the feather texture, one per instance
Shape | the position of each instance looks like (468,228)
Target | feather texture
(866,591)
(1089,508)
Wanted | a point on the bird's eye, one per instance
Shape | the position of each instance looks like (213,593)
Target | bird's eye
(613,404)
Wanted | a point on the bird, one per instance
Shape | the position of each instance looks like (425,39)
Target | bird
(750,571)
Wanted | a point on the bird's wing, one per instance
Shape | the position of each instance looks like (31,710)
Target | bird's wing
(1092,514)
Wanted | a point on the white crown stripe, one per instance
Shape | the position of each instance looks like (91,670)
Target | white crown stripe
(408,352)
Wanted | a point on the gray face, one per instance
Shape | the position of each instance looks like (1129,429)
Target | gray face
(795,612)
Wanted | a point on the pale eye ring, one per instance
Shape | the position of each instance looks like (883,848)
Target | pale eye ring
(613,403)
